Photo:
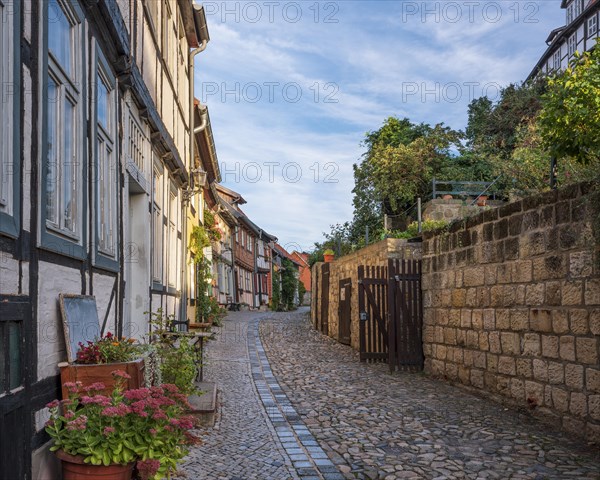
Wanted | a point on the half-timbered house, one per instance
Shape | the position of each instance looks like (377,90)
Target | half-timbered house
(94,170)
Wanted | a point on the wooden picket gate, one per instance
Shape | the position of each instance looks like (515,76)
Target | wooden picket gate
(391,314)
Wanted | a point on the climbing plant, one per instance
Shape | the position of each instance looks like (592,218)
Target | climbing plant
(289,284)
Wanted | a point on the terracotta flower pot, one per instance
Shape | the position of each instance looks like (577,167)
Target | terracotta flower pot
(482,200)
(88,374)
(73,468)
(328,258)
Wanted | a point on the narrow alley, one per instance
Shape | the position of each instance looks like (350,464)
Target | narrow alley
(294,404)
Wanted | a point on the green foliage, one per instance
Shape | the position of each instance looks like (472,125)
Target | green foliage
(276,295)
(413,229)
(301,292)
(289,284)
(199,240)
(570,119)
(213,232)
(178,357)
(404,172)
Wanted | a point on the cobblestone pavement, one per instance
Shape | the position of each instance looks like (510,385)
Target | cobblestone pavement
(294,404)
(257,434)
(374,425)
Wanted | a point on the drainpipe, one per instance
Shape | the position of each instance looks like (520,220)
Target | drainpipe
(201,28)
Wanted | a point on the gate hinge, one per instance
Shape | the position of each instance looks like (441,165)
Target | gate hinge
(363,316)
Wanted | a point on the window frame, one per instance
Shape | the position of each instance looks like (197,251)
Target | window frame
(173,229)
(103,256)
(52,238)
(572,44)
(10,151)
(593,18)
(556,60)
(158,224)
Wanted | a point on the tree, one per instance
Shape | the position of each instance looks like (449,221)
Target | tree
(368,204)
(570,118)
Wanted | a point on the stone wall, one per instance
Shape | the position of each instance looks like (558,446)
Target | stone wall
(345,267)
(453,209)
(512,306)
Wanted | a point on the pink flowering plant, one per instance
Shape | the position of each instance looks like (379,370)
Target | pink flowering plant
(145,425)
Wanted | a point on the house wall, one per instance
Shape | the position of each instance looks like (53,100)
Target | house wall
(36,264)
(345,267)
(512,306)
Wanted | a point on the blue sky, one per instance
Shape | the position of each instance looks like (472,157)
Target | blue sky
(292,87)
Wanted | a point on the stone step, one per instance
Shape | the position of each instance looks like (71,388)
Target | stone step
(204,405)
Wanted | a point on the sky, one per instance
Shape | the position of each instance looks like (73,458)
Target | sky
(292,88)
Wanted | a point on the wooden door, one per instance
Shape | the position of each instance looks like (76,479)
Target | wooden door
(345,311)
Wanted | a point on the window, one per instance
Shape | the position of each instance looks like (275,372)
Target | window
(157,235)
(592,26)
(6,108)
(570,13)
(64,120)
(577,9)
(106,163)
(173,243)
(556,62)
(243,238)
(572,44)
(136,144)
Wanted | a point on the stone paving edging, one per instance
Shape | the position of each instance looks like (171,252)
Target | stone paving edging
(309,460)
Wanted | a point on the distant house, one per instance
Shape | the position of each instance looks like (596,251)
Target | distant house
(303,274)
(251,253)
(579,34)
(279,254)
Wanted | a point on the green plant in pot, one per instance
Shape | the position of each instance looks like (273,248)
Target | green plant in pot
(328,255)
(99,436)
(177,355)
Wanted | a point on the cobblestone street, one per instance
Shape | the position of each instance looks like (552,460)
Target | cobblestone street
(305,408)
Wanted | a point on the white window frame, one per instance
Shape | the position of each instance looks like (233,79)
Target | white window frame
(106,162)
(572,44)
(592,26)
(172,225)
(556,65)
(157,224)
(68,89)
(570,10)
(578,8)
(6,108)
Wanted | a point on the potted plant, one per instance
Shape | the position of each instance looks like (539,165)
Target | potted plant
(96,360)
(99,436)
(328,255)
(482,200)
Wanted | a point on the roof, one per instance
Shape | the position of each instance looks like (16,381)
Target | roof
(236,197)
(302,256)
(206,144)
(284,253)
(194,23)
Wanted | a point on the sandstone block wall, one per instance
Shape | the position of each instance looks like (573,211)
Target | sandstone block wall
(512,306)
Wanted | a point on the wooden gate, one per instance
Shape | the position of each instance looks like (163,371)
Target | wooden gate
(324,320)
(372,308)
(391,314)
(405,311)
(345,311)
